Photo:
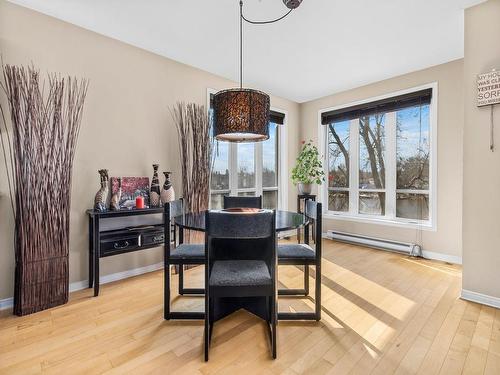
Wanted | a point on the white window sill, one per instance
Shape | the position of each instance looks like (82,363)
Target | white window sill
(410,224)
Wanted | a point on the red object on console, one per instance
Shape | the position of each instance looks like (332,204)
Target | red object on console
(139,202)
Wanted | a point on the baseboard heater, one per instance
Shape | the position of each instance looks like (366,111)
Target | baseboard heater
(377,243)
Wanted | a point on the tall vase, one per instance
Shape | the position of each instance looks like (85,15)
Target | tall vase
(167,193)
(154,194)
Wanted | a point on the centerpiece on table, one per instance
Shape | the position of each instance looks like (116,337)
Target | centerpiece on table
(308,169)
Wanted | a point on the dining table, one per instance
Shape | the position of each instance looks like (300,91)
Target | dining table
(285,221)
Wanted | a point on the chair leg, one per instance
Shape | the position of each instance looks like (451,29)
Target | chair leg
(168,313)
(181,279)
(187,291)
(166,294)
(306,279)
(207,328)
(297,292)
(317,291)
(211,321)
(274,318)
(316,315)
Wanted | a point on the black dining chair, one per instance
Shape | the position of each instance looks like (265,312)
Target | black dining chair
(177,253)
(304,255)
(246,202)
(240,270)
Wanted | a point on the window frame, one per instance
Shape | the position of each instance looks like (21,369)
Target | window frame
(390,218)
(282,183)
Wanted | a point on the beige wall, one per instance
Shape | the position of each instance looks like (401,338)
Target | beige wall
(126,124)
(446,239)
(481,202)
(130,93)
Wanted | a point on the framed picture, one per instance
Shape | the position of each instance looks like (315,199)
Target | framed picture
(131,188)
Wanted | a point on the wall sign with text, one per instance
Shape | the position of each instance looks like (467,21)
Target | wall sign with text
(488,88)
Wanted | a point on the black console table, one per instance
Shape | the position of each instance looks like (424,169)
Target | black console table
(120,240)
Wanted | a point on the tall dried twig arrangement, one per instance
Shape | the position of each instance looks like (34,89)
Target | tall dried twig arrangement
(45,127)
(193,128)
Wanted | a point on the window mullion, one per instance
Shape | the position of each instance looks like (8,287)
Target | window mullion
(390,164)
(233,168)
(354,167)
(258,167)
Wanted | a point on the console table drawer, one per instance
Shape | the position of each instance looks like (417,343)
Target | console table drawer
(122,244)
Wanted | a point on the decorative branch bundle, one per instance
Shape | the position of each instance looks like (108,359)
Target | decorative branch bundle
(193,128)
(45,127)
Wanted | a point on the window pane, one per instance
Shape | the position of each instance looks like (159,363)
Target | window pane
(217,200)
(338,201)
(220,171)
(371,203)
(412,206)
(270,158)
(371,152)
(338,154)
(246,194)
(270,199)
(246,165)
(413,148)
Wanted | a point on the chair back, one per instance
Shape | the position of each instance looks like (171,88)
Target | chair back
(171,210)
(240,236)
(175,208)
(246,202)
(313,211)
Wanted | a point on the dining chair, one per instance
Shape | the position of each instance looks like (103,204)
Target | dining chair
(240,270)
(179,254)
(247,202)
(304,255)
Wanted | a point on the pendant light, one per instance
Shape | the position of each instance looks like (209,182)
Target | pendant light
(242,114)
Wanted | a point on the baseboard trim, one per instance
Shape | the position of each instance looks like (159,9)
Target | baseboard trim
(428,254)
(79,285)
(483,299)
(442,257)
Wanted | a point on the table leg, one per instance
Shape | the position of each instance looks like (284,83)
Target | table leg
(91,251)
(97,253)
(299,211)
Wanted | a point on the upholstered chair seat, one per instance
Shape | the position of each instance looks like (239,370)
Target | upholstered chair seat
(187,251)
(296,251)
(240,273)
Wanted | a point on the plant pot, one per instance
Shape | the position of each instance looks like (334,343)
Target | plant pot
(304,188)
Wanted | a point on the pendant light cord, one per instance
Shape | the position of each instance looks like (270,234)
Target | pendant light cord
(266,22)
(243,18)
(263,22)
(241,44)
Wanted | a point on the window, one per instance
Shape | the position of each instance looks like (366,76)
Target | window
(379,159)
(249,169)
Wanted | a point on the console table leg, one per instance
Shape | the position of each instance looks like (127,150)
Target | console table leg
(91,252)
(97,252)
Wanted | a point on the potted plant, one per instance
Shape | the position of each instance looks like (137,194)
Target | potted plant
(308,169)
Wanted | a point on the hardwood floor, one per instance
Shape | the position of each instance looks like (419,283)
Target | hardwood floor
(383,313)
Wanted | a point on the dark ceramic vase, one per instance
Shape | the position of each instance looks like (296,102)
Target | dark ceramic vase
(154,194)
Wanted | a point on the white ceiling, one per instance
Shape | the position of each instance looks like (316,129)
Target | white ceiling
(323,47)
